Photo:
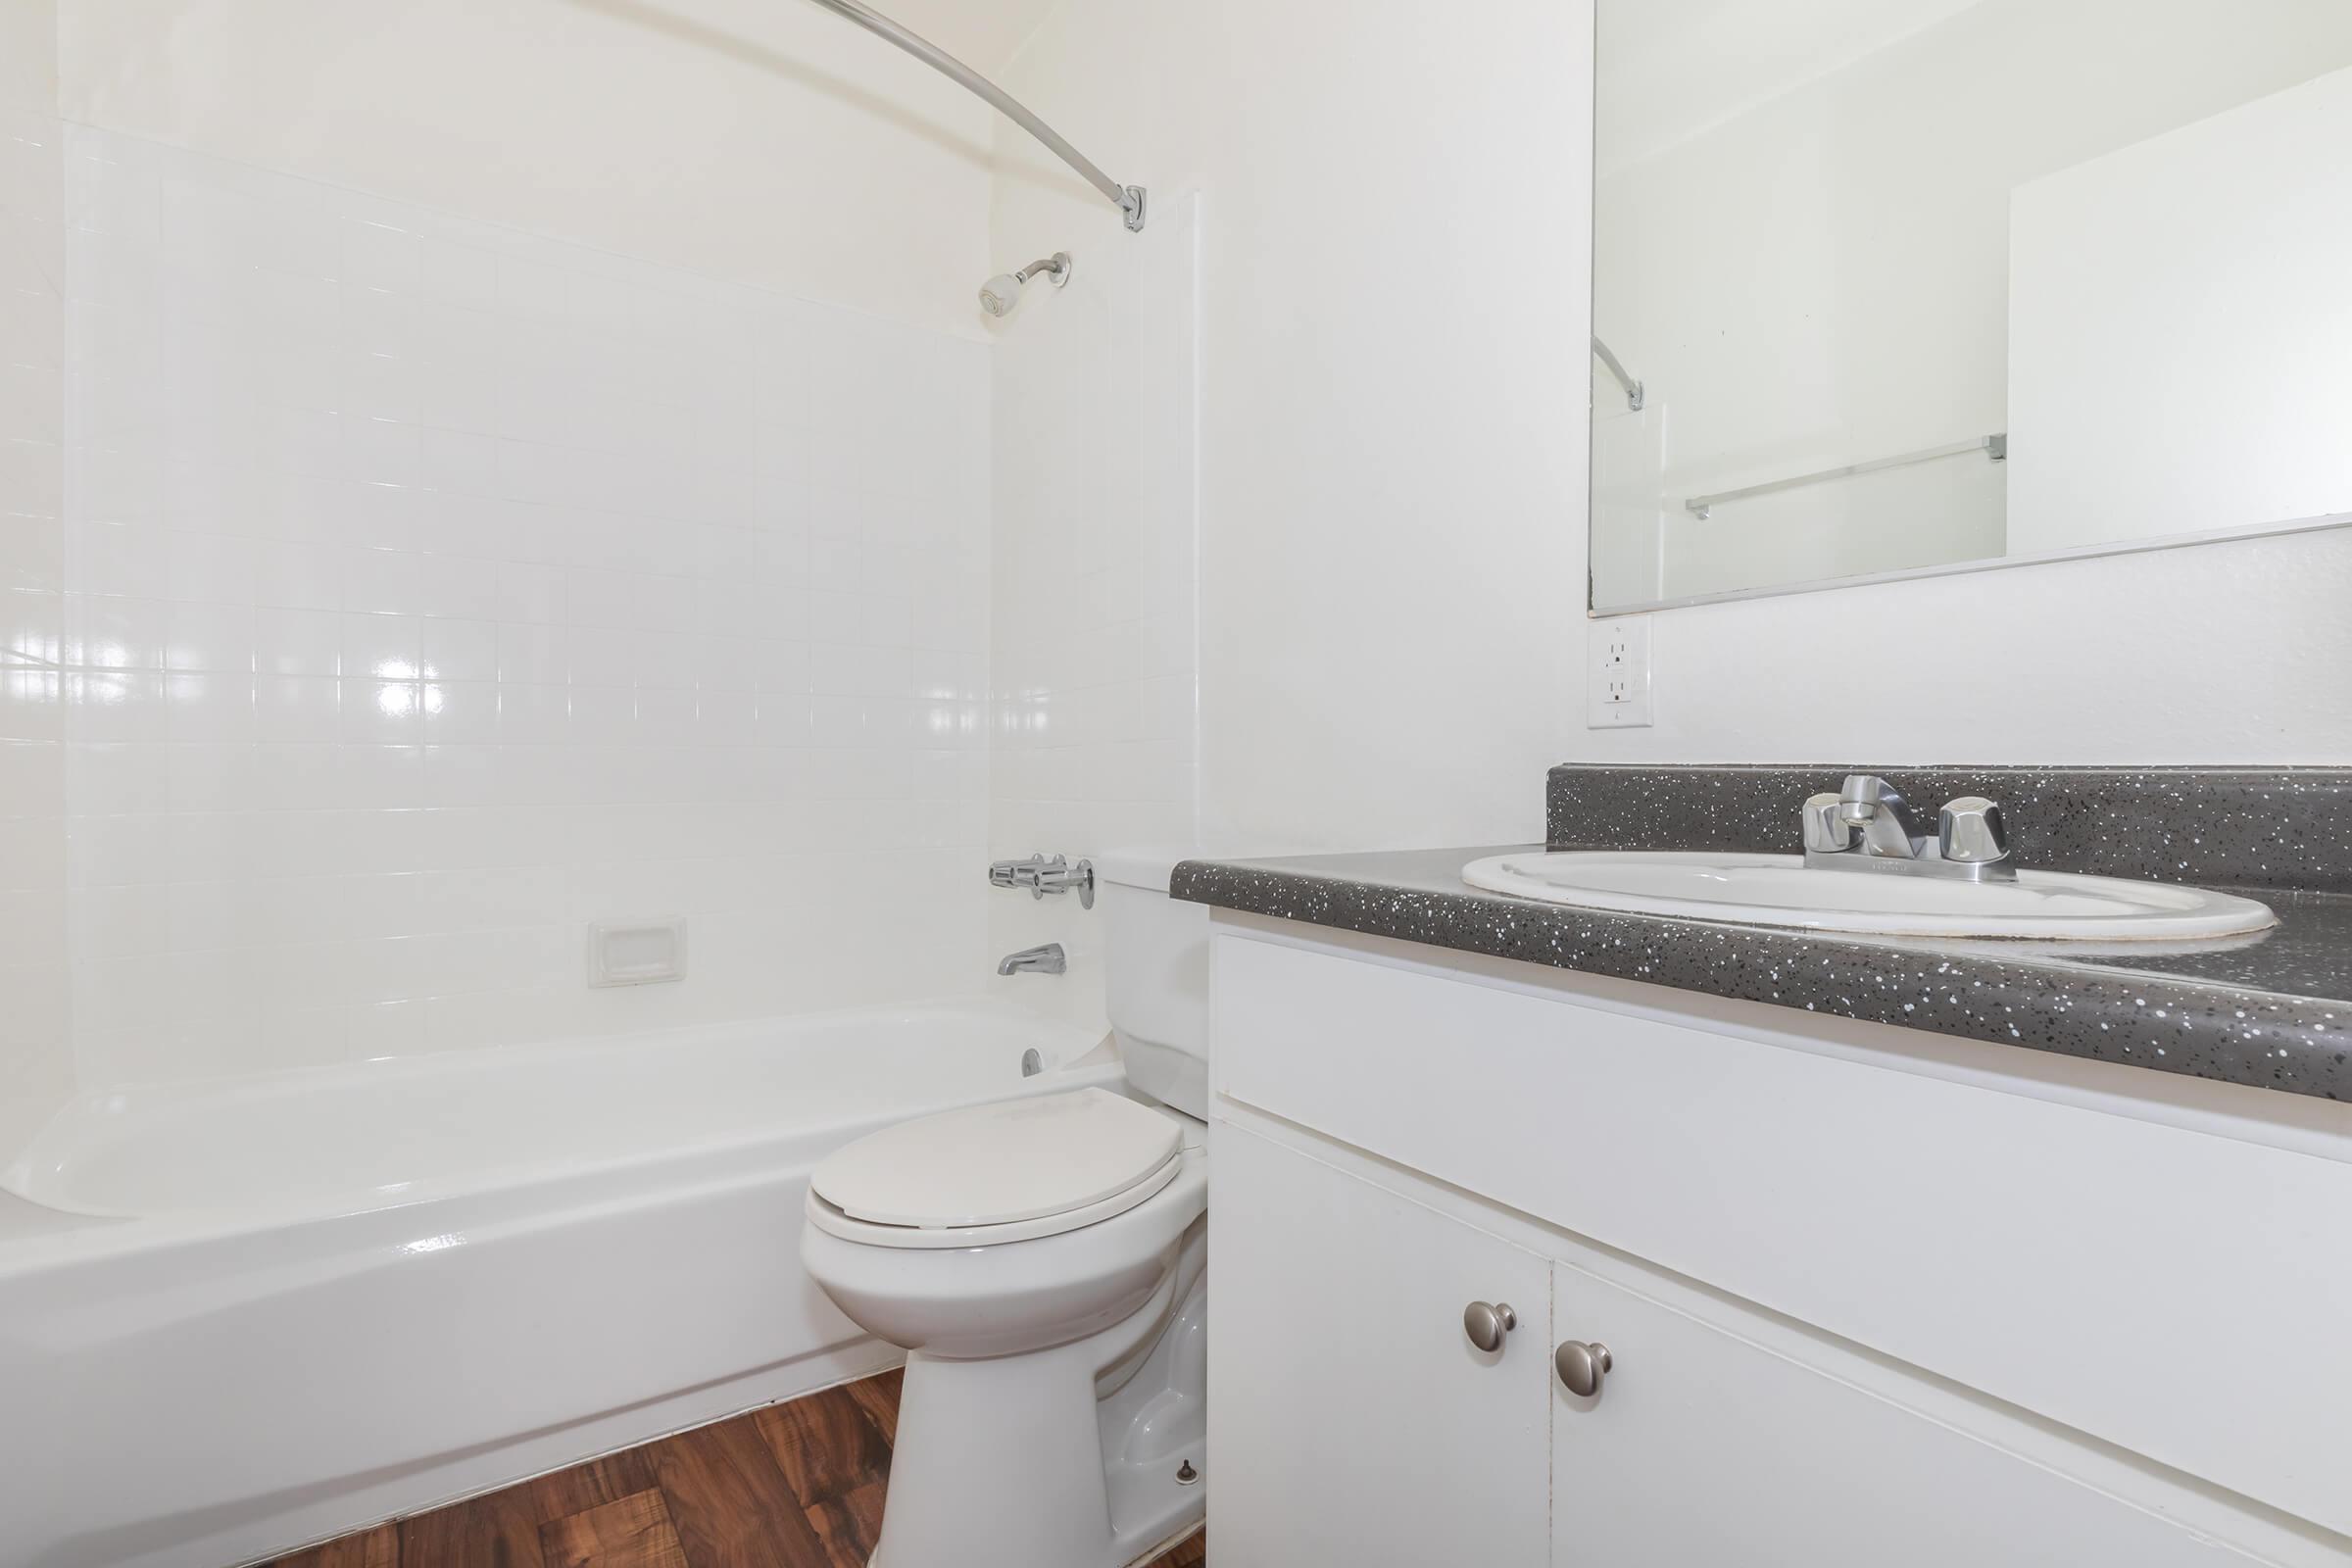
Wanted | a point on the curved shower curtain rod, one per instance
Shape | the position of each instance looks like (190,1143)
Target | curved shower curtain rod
(1636,393)
(1130,198)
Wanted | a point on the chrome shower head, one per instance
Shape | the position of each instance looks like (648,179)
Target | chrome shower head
(1000,293)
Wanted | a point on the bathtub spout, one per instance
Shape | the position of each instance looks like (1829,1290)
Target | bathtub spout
(1048,959)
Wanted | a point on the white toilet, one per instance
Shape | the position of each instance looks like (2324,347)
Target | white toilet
(1044,1263)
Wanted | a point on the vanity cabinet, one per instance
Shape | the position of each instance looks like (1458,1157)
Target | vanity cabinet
(1368,1428)
(1861,1306)
(1364,1425)
(1705,1447)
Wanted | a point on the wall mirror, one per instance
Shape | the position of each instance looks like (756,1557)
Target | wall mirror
(1902,286)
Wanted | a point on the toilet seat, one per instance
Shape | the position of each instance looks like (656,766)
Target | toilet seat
(1011,1171)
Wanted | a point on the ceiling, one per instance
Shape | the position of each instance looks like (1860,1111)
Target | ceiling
(982,33)
(1671,69)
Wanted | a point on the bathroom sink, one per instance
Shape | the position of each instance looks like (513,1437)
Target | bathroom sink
(1781,889)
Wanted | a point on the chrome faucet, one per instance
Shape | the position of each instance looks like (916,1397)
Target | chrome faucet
(1048,959)
(1041,877)
(1890,828)
(1867,826)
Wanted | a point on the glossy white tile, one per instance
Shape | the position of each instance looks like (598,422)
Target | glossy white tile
(430,590)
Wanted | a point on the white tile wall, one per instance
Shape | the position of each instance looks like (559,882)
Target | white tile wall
(1094,648)
(35,1068)
(436,590)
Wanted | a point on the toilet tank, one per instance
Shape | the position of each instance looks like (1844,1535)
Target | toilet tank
(1155,978)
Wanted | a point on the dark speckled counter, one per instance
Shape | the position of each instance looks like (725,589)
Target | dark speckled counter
(2274,1012)
(2281,827)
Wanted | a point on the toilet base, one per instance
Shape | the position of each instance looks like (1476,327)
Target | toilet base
(1069,1457)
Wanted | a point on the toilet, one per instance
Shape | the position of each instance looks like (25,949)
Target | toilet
(1044,1263)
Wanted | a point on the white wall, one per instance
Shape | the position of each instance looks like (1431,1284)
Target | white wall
(763,141)
(1394,241)
(436,589)
(1093,655)
(1393,487)
(2215,654)
(1824,279)
(2179,331)
(35,1069)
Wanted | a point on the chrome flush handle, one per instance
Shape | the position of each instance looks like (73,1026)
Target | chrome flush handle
(1486,1322)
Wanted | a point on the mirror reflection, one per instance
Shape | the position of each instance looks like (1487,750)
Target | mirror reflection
(1891,285)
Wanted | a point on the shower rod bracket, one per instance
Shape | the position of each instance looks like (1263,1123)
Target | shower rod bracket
(1131,202)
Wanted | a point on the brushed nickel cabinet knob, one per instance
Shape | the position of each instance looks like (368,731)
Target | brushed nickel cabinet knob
(1486,1322)
(1581,1367)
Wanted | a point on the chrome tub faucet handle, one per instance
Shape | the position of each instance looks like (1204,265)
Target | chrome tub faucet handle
(1041,877)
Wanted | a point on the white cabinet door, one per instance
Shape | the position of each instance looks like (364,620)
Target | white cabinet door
(1706,1447)
(2062,1257)
(1350,1420)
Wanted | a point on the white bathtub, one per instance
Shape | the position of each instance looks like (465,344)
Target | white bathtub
(250,1316)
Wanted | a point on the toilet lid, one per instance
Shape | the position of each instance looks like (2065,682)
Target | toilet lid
(1017,1160)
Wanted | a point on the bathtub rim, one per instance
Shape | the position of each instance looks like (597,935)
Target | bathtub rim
(59,1236)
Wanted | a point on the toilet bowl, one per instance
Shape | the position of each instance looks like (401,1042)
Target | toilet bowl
(1043,1262)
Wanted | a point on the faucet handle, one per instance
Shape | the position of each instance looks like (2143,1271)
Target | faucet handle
(1827,831)
(1041,877)
(1970,831)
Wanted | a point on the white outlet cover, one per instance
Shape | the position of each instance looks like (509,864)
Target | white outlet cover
(1617,673)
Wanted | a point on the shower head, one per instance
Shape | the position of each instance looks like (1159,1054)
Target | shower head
(1000,293)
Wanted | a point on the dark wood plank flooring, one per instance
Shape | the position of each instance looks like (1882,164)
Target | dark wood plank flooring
(791,1486)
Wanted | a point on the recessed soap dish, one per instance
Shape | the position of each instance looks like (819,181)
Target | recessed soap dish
(636,952)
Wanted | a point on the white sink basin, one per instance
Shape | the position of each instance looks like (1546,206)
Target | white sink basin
(1780,889)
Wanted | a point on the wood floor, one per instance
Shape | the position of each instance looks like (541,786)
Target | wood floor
(792,1486)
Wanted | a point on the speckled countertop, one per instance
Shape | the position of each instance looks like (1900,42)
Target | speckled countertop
(2272,1011)
(2279,827)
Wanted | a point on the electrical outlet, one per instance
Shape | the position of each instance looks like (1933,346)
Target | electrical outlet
(1617,674)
